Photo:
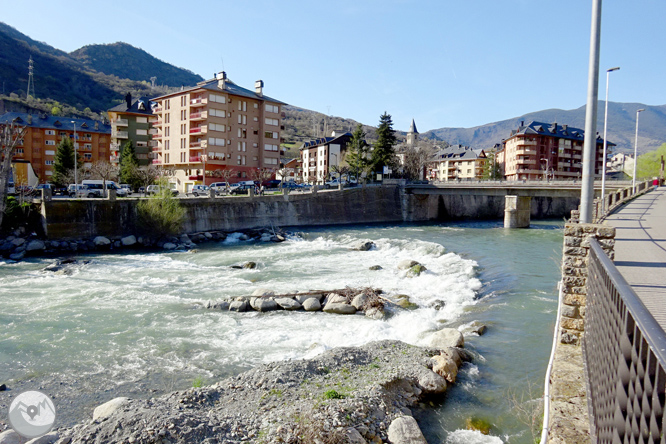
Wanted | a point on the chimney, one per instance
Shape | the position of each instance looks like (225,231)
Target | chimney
(554,127)
(564,127)
(128,99)
(29,119)
(259,87)
(221,78)
(522,123)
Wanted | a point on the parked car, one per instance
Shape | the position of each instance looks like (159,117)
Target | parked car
(290,184)
(271,183)
(80,190)
(332,184)
(98,187)
(242,189)
(200,190)
(155,189)
(127,187)
(220,187)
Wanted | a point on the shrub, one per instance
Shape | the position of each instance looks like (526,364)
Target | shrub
(161,214)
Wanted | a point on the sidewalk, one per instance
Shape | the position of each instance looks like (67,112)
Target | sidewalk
(640,249)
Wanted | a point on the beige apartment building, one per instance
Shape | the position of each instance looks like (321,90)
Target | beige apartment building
(216,126)
(457,162)
(540,151)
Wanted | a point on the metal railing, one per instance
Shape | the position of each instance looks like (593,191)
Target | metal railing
(617,197)
(624,350)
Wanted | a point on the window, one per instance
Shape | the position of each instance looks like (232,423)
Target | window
(167,145)
(141,132)
(49,162)
(183,113)
(62,134)
(217,127)
(217,113)
(272,108)
(241,160)
(49,142)
(167,104)
(217,98)
(48,172)
(242,146)
(19,150)
(270,161)
(87,156)
(182,157)
(182,143)
(242,119)
(142,120)
(167,131)
(167,118)
(183,102)
(216,142)
(183,129)
(242,105)
(272,122)
(49,152)
(269,147)
(166,158)
(271,135)
(52,133)
(87,146)
(242,133)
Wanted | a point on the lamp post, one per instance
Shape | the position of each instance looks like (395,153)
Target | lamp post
(203,160)
(76,159)
(633,179)
(603,168)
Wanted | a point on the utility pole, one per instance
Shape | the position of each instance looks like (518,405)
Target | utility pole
(590,143)
(31,82)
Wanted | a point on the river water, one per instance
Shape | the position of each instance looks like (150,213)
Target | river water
(131,324)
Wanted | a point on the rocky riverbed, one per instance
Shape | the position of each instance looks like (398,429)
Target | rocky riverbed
(355,395)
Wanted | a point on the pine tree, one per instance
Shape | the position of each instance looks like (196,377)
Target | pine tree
(357,152)
(128,165)
(63,165)
(383,153)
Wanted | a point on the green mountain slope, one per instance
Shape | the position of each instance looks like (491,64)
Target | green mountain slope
(127,62)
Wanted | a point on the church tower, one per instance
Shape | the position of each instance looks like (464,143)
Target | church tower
(412,135)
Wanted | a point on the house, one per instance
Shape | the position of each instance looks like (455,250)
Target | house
(539,151)
(44,133)
(320,157)
(215,126)
(457,162)
(289,170)
(131,121)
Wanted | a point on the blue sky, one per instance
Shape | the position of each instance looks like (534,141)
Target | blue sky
(445,63)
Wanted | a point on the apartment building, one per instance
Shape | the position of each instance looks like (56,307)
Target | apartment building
(540,151)
(216,126)
(44,133)
(318,156)
(131,121)
(457,162)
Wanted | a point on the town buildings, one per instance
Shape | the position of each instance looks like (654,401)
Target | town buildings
(44,133)
(131,121)
(216,126)
(457,162)
(320,156)
(539,151)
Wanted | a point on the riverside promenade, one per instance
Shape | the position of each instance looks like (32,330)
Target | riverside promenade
(640,249)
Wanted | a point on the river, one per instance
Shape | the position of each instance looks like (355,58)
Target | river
(131,324)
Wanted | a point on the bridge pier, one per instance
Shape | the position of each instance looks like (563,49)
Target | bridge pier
(517,211)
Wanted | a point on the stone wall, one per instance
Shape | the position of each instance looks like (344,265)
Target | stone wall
(574,274)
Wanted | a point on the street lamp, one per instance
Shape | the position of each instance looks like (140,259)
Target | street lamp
(76,159)
(633,179)
(603,168)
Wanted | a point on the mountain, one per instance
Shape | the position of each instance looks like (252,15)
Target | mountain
(61,77)
(621,126)
(127,62)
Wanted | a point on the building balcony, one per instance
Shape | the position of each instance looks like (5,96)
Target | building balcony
(114,159)
(195,159)
(199,130)
(577,157)
(157,109)
(522,142)
(156,137)
(201,115)
(563,164)
(526,162)
(120,122)
(198,102)
(119,134)
(526,151)
(153,144)
(565,156)
(157,161)
(199,144)
(199,177)
(157,123)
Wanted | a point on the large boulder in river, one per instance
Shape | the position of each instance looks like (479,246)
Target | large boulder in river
(338,308)
(312,304)
(240,306)
(263,292)
(405,430)
(263,304)
(288,303)
(35,245)
(365,246)
(447,337)
(128,241)
(101,241)
(445,366)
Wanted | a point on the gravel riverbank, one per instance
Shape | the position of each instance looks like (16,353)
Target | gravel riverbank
(352,394)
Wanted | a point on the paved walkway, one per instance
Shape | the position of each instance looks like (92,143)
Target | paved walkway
(640,249)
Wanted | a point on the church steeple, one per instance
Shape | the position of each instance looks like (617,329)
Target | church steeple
(412,135)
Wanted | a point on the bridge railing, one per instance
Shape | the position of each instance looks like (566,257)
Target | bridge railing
(615,198)
(624,349)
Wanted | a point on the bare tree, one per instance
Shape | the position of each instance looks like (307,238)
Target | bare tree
(146,176)
(11,136)
(104,171)
(416,159)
